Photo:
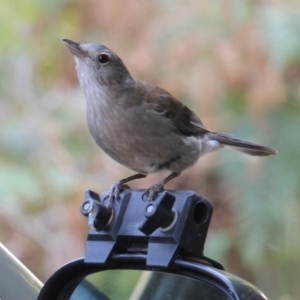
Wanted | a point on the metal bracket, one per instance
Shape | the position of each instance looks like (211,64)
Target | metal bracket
(173,225)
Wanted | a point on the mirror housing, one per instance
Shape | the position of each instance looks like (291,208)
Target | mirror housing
(166,235)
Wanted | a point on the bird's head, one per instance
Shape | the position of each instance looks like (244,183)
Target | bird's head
(95,62)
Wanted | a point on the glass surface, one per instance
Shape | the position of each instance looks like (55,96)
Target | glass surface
(145,285)
(16,281)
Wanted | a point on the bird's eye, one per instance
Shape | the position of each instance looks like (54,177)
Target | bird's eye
(103,58)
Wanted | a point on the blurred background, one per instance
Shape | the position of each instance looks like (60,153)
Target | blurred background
(235,63)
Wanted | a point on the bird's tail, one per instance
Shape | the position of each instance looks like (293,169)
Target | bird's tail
(232,142)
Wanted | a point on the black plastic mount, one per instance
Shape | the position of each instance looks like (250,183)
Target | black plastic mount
(173,225)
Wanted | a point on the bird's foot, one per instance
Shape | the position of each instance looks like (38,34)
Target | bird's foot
(115,190)
(153,191)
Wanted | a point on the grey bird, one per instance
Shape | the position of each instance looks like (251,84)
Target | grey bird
(140,125)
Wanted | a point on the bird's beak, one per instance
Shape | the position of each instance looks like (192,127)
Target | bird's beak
(75,48)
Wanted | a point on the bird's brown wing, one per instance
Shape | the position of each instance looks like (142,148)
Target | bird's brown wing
(187,122)
(183,119)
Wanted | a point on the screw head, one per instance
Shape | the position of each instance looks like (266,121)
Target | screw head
(150,208)
(86,206)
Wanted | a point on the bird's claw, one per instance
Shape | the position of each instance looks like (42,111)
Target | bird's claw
(152,192)
(114,192)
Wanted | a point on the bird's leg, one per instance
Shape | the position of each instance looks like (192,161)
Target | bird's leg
(153,190)
(118,185)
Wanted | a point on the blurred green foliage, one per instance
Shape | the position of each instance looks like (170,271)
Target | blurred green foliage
(236,63)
